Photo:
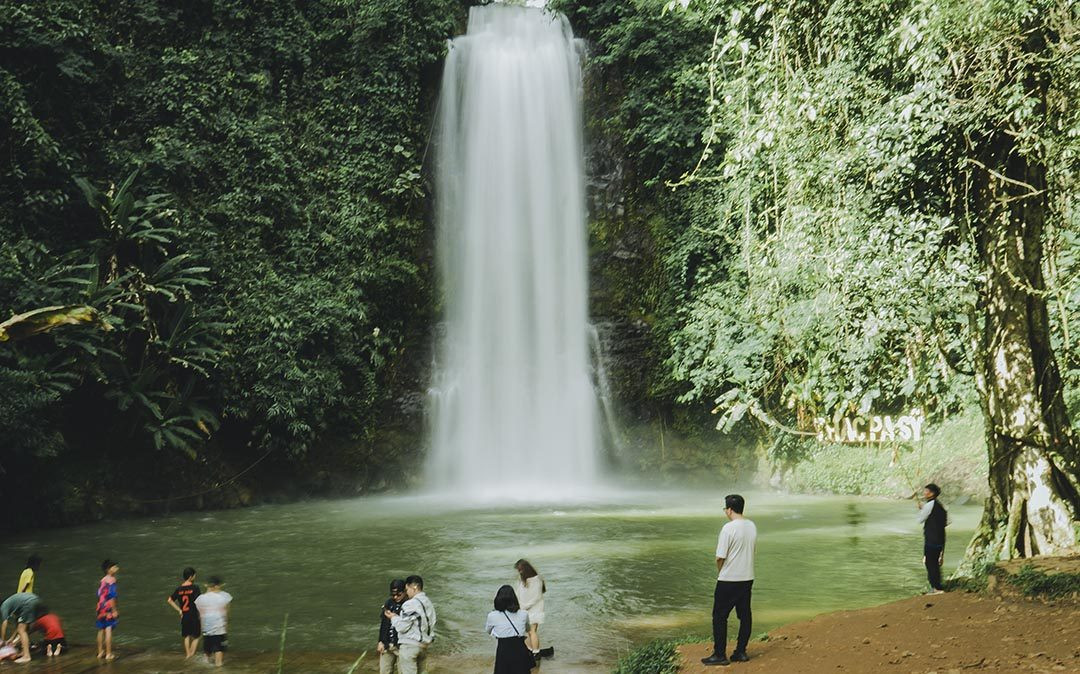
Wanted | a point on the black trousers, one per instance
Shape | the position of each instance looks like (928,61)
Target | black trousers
(933,553)
(727,596)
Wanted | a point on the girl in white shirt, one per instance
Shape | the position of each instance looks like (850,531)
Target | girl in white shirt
(530,589)
(509,623)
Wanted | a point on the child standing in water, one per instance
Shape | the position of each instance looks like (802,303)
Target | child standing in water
(213,608)
(107,611)
(26,580)
(530,590)
(183,602)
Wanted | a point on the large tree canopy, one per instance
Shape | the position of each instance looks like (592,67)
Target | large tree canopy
(892,190)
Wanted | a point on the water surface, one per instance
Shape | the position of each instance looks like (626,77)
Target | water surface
(618,573)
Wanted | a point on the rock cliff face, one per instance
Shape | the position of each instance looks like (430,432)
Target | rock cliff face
(620,254)
(622,300)
(625,351)
(627,225)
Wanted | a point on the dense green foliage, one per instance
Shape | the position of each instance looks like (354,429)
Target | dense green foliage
(646,73)
(818,258)
(1029,580)
(277,279)
(785,195)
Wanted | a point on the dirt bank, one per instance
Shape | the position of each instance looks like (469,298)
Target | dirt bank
(951,633)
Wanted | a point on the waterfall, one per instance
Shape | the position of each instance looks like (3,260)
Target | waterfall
(603,388)
(514,414)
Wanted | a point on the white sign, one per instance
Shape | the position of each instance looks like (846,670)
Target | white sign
(880,428)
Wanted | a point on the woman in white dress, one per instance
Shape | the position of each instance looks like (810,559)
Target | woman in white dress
(530,589)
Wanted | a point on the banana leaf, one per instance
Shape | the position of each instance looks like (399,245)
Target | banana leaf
(21,326)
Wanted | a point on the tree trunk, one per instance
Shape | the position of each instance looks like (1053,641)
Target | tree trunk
(1034,503)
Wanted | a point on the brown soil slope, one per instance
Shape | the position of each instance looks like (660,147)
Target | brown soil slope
(953,633)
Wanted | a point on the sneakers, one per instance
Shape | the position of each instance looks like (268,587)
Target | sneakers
(716,659)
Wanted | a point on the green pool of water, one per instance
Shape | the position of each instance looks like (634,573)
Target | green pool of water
(619,573)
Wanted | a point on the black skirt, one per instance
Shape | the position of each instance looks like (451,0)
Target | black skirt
(513,656)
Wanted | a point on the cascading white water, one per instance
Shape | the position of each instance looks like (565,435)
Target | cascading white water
(514,411)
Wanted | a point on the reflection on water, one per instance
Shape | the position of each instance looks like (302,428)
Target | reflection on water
(854,517)
(617,574)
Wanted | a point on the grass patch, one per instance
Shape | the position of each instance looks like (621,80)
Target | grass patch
(977,582)
(966,584)
(1033,582)
(1030,580)
(661,656)
(281,651)
(655,657)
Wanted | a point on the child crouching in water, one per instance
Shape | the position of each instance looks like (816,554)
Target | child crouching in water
(213,608)
(49,623)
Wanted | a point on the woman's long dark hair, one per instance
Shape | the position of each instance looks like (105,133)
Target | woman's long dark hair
(527,571)
(506,600)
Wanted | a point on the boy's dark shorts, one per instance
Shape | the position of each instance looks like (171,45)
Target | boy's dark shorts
(212,643)
(53,643)
(190,625)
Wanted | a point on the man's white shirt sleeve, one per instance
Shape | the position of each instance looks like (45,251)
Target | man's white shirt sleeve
(723,543)
(924,512)
(404,621)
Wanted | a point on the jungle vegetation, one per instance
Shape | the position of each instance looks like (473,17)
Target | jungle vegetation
(882,215)
(817,210)
(235,189)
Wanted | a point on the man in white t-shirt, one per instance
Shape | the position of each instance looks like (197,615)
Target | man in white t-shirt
(735,564)
(213,608)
